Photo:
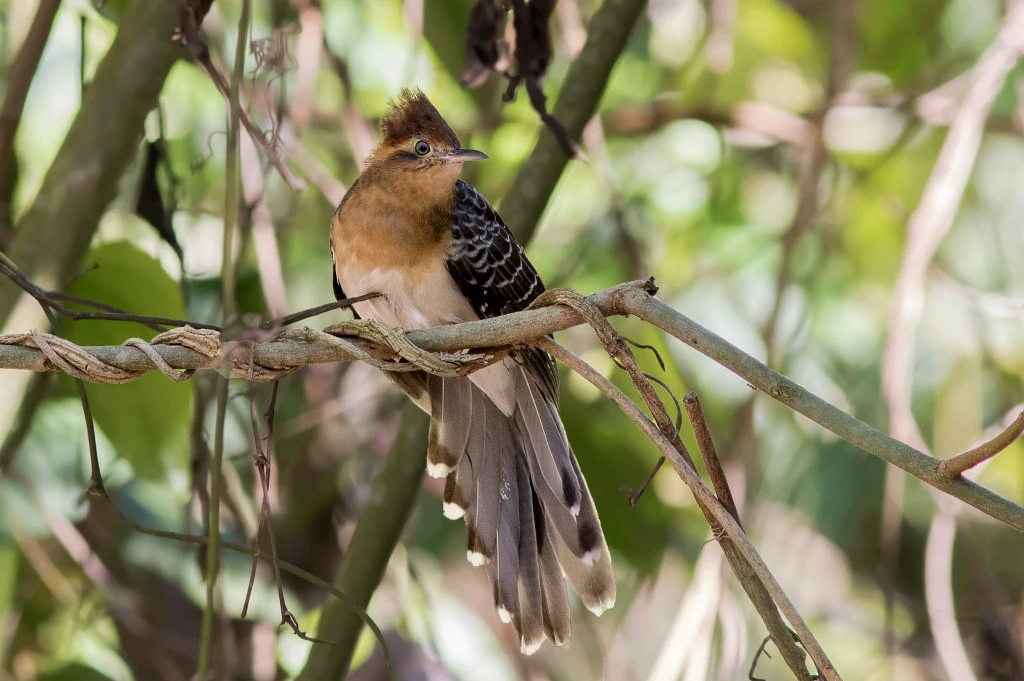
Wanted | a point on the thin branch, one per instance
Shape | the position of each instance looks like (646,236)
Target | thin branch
(232,200)
(49,301)
(954,467)
(207,633)
(707,450)
(319,310)
(634,495)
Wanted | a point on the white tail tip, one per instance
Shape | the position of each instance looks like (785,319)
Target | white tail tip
(504,615)
(602,606)
(438,470)
(475,558)
(530,647)
(452,511)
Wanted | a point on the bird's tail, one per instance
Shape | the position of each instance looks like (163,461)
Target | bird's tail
(529,515)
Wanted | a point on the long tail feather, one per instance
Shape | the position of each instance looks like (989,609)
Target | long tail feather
(531,597)
(529,514)
(504,568)
(451,413)
(557,617)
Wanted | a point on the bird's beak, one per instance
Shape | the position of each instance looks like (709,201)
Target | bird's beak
(461,155)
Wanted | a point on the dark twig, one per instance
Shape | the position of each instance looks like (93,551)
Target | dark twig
(262,462)
(318,310)
(757,657)
(761,650)
(262,459)
(954,467)
(607,32)
(707,449)
(634,495)
(533,56)
(654,350)
(49,302)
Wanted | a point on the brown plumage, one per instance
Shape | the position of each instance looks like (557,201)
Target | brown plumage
(438,253)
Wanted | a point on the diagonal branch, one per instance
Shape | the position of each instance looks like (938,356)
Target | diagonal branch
(761,585)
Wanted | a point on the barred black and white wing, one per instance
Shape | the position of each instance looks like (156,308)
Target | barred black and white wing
(492,270)
(508,464)
(486,261)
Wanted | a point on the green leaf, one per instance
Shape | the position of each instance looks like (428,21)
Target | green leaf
(146,420)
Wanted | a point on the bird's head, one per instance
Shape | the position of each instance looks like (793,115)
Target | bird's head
(417,139)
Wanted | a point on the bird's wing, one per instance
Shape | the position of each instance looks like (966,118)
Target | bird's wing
(492,271)
(339,293)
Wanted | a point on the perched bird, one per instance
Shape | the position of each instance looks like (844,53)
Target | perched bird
(438,253)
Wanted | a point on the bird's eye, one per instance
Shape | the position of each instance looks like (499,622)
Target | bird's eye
(422,148)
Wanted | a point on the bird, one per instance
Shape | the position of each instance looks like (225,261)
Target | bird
(438,253)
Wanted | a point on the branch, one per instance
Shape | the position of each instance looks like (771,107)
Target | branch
(367,554)
(232,200)
(309,347)
(577,103)
(762,585)
(953,468)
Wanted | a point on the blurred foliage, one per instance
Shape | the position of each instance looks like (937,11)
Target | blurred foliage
(696,181)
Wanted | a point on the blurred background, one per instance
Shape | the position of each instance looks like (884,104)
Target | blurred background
(760,158)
